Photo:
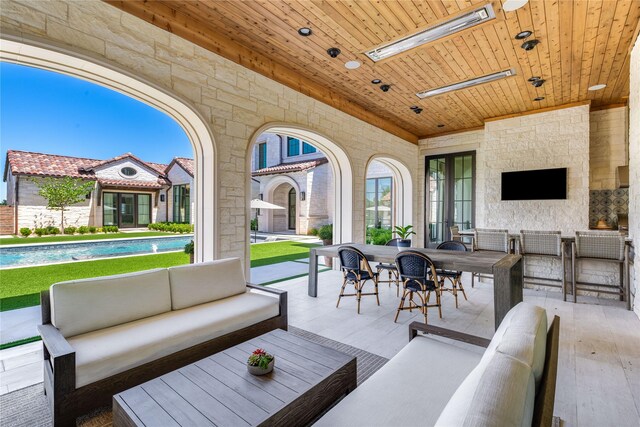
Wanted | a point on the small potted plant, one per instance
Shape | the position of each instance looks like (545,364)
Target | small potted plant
(325,233)
(188,249)
(404,233)
(260,362)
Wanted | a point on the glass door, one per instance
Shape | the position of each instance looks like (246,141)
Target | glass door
(450,188)
(292,209)
(127,210)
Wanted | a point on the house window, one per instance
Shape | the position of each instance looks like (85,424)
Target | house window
(126,210)
(144,209)
(379,202)
(127,171)
(262,156)
(181,203)
(308,148)
(293,146)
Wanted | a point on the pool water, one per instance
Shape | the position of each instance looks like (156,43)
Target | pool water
(65,252)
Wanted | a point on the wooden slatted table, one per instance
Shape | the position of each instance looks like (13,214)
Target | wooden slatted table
(506,269)
(219,391)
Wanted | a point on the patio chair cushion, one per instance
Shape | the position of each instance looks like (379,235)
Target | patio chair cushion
(205,282)
(103,353)
(81,306)
(395,394)
(502,393)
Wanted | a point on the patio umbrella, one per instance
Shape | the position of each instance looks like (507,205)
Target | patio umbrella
(261,204)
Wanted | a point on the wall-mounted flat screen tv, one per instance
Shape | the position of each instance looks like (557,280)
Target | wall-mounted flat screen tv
(541,184)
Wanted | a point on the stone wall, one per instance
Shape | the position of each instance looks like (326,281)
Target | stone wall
(114,171)
(608,146)
(235,101)
(634,163)
(177,176)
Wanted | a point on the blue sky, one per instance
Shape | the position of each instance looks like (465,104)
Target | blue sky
(47,112)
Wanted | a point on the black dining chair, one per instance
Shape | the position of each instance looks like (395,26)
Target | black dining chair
(419,278)
(455,277)
(390,268)
(356,271)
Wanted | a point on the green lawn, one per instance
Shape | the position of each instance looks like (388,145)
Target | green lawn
(21,286)
(74,238)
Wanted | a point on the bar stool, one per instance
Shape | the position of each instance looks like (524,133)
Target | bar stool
(601,246)
(543,244)
(489,239)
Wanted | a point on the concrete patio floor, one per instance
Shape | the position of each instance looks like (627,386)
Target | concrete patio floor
(599,364)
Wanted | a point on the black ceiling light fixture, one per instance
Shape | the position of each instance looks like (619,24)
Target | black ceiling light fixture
(440,125)
(417,110)
(539,98)
(530,44)
(376,81)
(385,88)
(536,81)
(523,35)
(333,52)
(414,107)
(533,79)
(305,32)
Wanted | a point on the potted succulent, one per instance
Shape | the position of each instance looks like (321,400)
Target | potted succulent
(404,233)
(188,249)
(260,362)
(325,233)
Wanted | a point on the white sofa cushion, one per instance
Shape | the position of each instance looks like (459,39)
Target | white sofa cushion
(101,354)
(411,389)
(80,306)
(205,282)
(503,395)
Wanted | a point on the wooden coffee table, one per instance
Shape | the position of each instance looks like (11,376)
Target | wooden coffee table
(307,379)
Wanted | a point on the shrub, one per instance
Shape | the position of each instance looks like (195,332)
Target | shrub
(312,232)
(378,236)
(93,229)
(254,224)
(110,229)
(53,230)
(171,227)
(83,229)
(325,233)
(188,248)
(26,232)
(40,231)
(70,230)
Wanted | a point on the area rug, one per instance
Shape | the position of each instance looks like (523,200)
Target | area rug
(27,407)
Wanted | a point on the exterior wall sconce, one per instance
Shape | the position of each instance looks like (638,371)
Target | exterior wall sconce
(261,196)
(303,195)
(162,197)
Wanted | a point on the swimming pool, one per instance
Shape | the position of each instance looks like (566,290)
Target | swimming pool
(24,256)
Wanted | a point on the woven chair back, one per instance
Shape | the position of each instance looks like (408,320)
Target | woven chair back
(452,245)
(352,260)
(393,242)
(416,266)
(486,239)
(537,242)
(600,244)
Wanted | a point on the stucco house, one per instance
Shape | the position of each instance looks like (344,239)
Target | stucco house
(128,192)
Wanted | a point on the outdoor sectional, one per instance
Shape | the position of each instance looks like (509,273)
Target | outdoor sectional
(104,335)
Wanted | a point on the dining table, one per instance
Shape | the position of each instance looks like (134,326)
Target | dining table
(507,269)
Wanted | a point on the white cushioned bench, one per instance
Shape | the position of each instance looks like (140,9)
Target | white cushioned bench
(106,334)
(446,378)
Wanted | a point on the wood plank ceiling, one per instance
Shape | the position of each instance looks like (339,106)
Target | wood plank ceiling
(582,43)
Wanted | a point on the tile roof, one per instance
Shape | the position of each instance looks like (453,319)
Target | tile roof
(130,183)
(186,164)
(289,167)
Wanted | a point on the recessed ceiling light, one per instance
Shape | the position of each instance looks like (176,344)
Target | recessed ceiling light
(530,44)
(352,65)
(440,125)
(511,5)
(597,87)
(539,98)
(523,35)
(305,32)
(376,81)
(467,83)
(333,52)
(452,26)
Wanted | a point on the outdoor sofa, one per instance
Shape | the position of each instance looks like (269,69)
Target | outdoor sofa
(438,378)
(104,335)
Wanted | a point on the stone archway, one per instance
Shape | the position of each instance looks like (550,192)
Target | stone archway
(274,192)
(29,51)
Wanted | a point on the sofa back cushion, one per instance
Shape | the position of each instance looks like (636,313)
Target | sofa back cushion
(205,282)
(86,305)
(502,393)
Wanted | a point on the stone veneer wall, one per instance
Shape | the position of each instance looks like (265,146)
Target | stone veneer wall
(634,162)
(554,139)
(608,146)
(234,100)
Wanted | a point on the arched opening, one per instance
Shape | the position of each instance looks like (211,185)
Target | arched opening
(43,54)
(388,194)
(337,200)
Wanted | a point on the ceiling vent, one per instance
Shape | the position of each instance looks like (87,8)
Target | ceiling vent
(452,26)
(467,83)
